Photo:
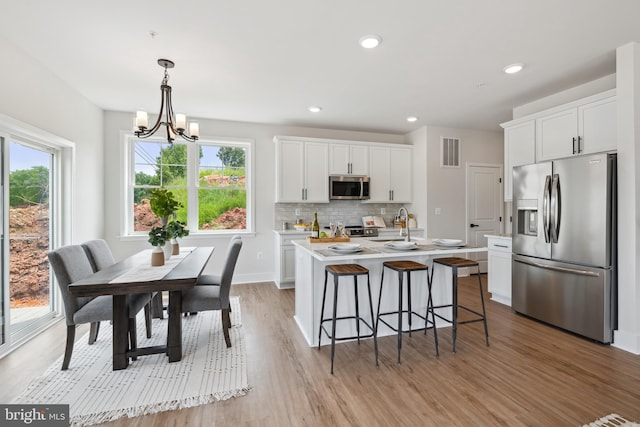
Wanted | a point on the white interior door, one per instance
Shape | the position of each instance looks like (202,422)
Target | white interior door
(484,207)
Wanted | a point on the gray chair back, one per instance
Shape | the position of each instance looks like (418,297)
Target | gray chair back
(70,264)
(227,271)
(99,254)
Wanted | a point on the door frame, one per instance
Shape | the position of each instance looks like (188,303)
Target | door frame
(500,200)
(61,231)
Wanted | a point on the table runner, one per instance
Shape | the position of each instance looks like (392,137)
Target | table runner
(148,272)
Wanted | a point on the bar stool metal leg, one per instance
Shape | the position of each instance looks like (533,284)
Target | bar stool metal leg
(333,323)
(355,291)
(373,322)
(433,315)
(454,272)
(400,287)
(484,313)
(324,297)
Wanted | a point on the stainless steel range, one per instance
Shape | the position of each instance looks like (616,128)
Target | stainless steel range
(360,231)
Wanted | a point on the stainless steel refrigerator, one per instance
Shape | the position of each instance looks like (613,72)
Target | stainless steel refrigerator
(564,244)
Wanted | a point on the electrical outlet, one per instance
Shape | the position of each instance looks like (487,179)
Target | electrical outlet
(383,211)
(298,212)
(259,255)
(438,211)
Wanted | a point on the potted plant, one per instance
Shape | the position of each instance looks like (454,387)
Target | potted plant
(176,230)
(158,236)
(163,204)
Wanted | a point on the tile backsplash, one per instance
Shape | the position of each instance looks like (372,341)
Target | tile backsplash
(351,212)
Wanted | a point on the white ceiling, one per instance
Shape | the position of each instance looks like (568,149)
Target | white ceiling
(267,61)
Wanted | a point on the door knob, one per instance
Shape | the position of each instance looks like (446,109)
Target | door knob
(474,225)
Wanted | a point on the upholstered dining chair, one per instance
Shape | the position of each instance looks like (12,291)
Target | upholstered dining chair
(215,279)
(100,256)
(204,298)
(70,264)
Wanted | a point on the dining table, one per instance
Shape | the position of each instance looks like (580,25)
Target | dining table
(135,275)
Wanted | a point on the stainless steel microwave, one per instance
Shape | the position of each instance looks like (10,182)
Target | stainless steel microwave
(348,187)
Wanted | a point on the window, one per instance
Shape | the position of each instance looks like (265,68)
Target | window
(211,179)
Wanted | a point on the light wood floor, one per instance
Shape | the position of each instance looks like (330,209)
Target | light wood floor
(531,375)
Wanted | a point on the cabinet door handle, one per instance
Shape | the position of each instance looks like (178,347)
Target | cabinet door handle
(501,246)
(580,149)
(573,144)
(474,225)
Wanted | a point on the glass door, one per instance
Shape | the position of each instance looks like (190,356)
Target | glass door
(28,211)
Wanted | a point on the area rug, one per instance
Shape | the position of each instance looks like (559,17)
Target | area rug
(208,372)
(612,420)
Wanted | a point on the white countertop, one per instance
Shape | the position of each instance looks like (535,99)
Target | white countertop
(376,249)
(498,236)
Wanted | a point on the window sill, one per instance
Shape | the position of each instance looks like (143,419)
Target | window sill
(193,236)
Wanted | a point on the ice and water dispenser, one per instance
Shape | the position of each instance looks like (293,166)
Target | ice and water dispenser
(527,217)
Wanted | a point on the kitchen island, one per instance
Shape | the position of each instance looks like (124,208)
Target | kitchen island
(312,258)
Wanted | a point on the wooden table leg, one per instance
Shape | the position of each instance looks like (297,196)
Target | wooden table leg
(174,332)
(120,332)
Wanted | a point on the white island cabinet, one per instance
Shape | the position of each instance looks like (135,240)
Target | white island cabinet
(499,268)
(312,258)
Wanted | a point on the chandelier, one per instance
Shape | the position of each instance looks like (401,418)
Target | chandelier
(175,124)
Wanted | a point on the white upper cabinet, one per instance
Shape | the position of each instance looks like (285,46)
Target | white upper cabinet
(519,149)
(346,159)
(391,174)
(581,127)
(302,171)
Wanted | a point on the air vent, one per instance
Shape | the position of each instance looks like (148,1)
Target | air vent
(450,157)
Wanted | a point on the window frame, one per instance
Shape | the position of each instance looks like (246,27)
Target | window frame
(193,163)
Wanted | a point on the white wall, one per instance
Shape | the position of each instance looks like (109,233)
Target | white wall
(249,268)
(32,94)
(420,205)
(445,187)
(627,336)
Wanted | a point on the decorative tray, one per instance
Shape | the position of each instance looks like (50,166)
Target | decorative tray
(327,239)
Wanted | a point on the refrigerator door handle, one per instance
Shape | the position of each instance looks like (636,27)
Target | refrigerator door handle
(557,268)
(545,208)
(555,208)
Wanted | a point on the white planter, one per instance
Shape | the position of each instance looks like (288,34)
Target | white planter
(157,256)
(167,251)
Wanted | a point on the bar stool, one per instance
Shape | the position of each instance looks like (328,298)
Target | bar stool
(338,270)
(455,263)
(406,266)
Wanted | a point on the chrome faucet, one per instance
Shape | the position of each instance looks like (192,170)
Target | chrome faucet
(404,231)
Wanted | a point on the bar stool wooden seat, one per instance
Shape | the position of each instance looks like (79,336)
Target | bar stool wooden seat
(402,267)
(337,271)
(454,263)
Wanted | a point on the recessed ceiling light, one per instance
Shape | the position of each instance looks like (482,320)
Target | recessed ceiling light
(513,68)
(315,109)
(412,119)
(370,41)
